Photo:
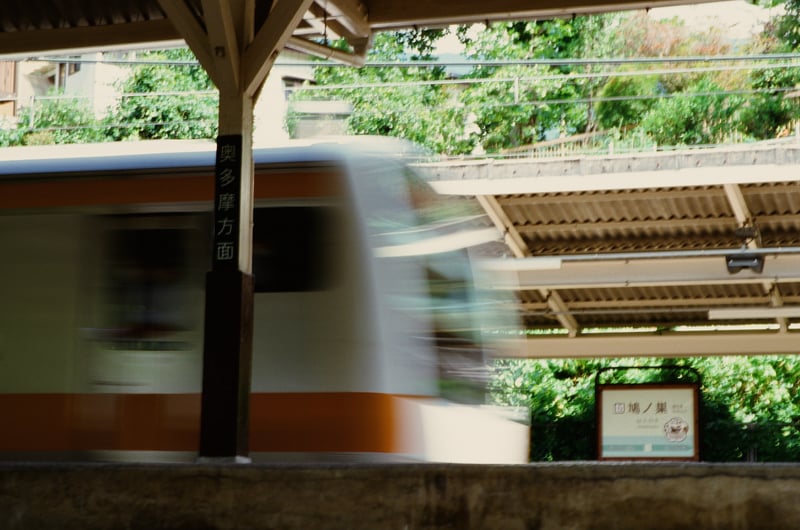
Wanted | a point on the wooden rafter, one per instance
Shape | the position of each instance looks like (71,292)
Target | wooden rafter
(745,218)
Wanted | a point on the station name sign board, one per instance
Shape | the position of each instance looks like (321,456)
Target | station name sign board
(648,422)
(227,199)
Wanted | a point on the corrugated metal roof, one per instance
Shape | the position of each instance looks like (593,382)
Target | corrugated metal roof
(618,221)
(644,217)
(37,26)
(22,16)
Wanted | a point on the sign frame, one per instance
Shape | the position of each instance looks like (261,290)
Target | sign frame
(673,419)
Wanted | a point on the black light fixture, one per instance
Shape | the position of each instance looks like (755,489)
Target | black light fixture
(744,260)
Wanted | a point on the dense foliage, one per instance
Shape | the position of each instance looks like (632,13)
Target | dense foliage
(527,102)
(532,85)
(180,101)
(54,121)
(750,406)
(539,80)
(159,100)
(390,101)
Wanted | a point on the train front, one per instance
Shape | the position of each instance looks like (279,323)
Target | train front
(368,330)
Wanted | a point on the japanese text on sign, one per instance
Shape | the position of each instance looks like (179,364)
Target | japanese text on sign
(227,189)
(648,421)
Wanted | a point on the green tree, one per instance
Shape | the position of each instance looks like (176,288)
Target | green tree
(749,405)
(785,28)
(772,110)
(677,106)
(10,137)
(390,101)
(54,119)
(521,105)
(162,100)
(560,396)
(517,105)
(700,115)
(510,105)
(511,108)
(624,101)
(640,35)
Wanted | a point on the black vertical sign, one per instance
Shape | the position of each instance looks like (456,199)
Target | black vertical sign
(227,197)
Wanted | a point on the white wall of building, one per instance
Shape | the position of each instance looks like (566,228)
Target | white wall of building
(97,81)
(272,105)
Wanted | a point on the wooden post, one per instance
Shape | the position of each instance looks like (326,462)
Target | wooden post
(228,336)
(237,46)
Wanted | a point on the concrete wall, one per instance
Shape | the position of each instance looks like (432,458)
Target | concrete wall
(427,496)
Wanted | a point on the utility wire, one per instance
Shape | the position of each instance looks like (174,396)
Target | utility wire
(541,102)
(589,61)
(674,95)
(549,77)
(467,81)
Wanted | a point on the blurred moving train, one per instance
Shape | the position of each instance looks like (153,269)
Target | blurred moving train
(368,331)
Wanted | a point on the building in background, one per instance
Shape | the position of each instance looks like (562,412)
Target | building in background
(8,89)
(96,76)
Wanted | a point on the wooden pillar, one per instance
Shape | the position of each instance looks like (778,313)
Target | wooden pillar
(237,44)
(228,336)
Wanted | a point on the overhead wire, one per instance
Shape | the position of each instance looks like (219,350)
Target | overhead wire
(752,63)
(546,77)
(436,63)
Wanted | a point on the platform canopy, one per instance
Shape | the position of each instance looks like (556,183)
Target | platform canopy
(670,253)
(29,27)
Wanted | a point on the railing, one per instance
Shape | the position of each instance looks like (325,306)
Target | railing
(609,143)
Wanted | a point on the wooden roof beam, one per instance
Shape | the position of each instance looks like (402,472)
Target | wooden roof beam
(194,33)
(20,44)
(520,250)
(223,41)
(352,14)
(269,40)
(654,345)
(745,218)
(506,227)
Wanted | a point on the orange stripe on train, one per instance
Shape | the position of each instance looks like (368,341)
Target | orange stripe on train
(144,189)
(324,422)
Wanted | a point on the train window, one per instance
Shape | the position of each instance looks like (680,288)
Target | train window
(463,372)
(389,218)
(148,269)
(292,246)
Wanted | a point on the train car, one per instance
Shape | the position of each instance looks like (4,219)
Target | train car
(369,335)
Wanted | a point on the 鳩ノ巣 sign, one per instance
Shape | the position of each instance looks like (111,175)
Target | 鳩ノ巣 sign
(648,422)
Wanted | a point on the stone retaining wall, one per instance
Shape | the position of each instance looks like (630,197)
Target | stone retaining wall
(404,497)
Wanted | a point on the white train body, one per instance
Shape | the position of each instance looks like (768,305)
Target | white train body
(367,339)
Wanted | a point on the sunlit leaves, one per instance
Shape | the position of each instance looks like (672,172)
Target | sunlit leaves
(164,101)
(393,101)
(624,100)
(699,116)
(54,120)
